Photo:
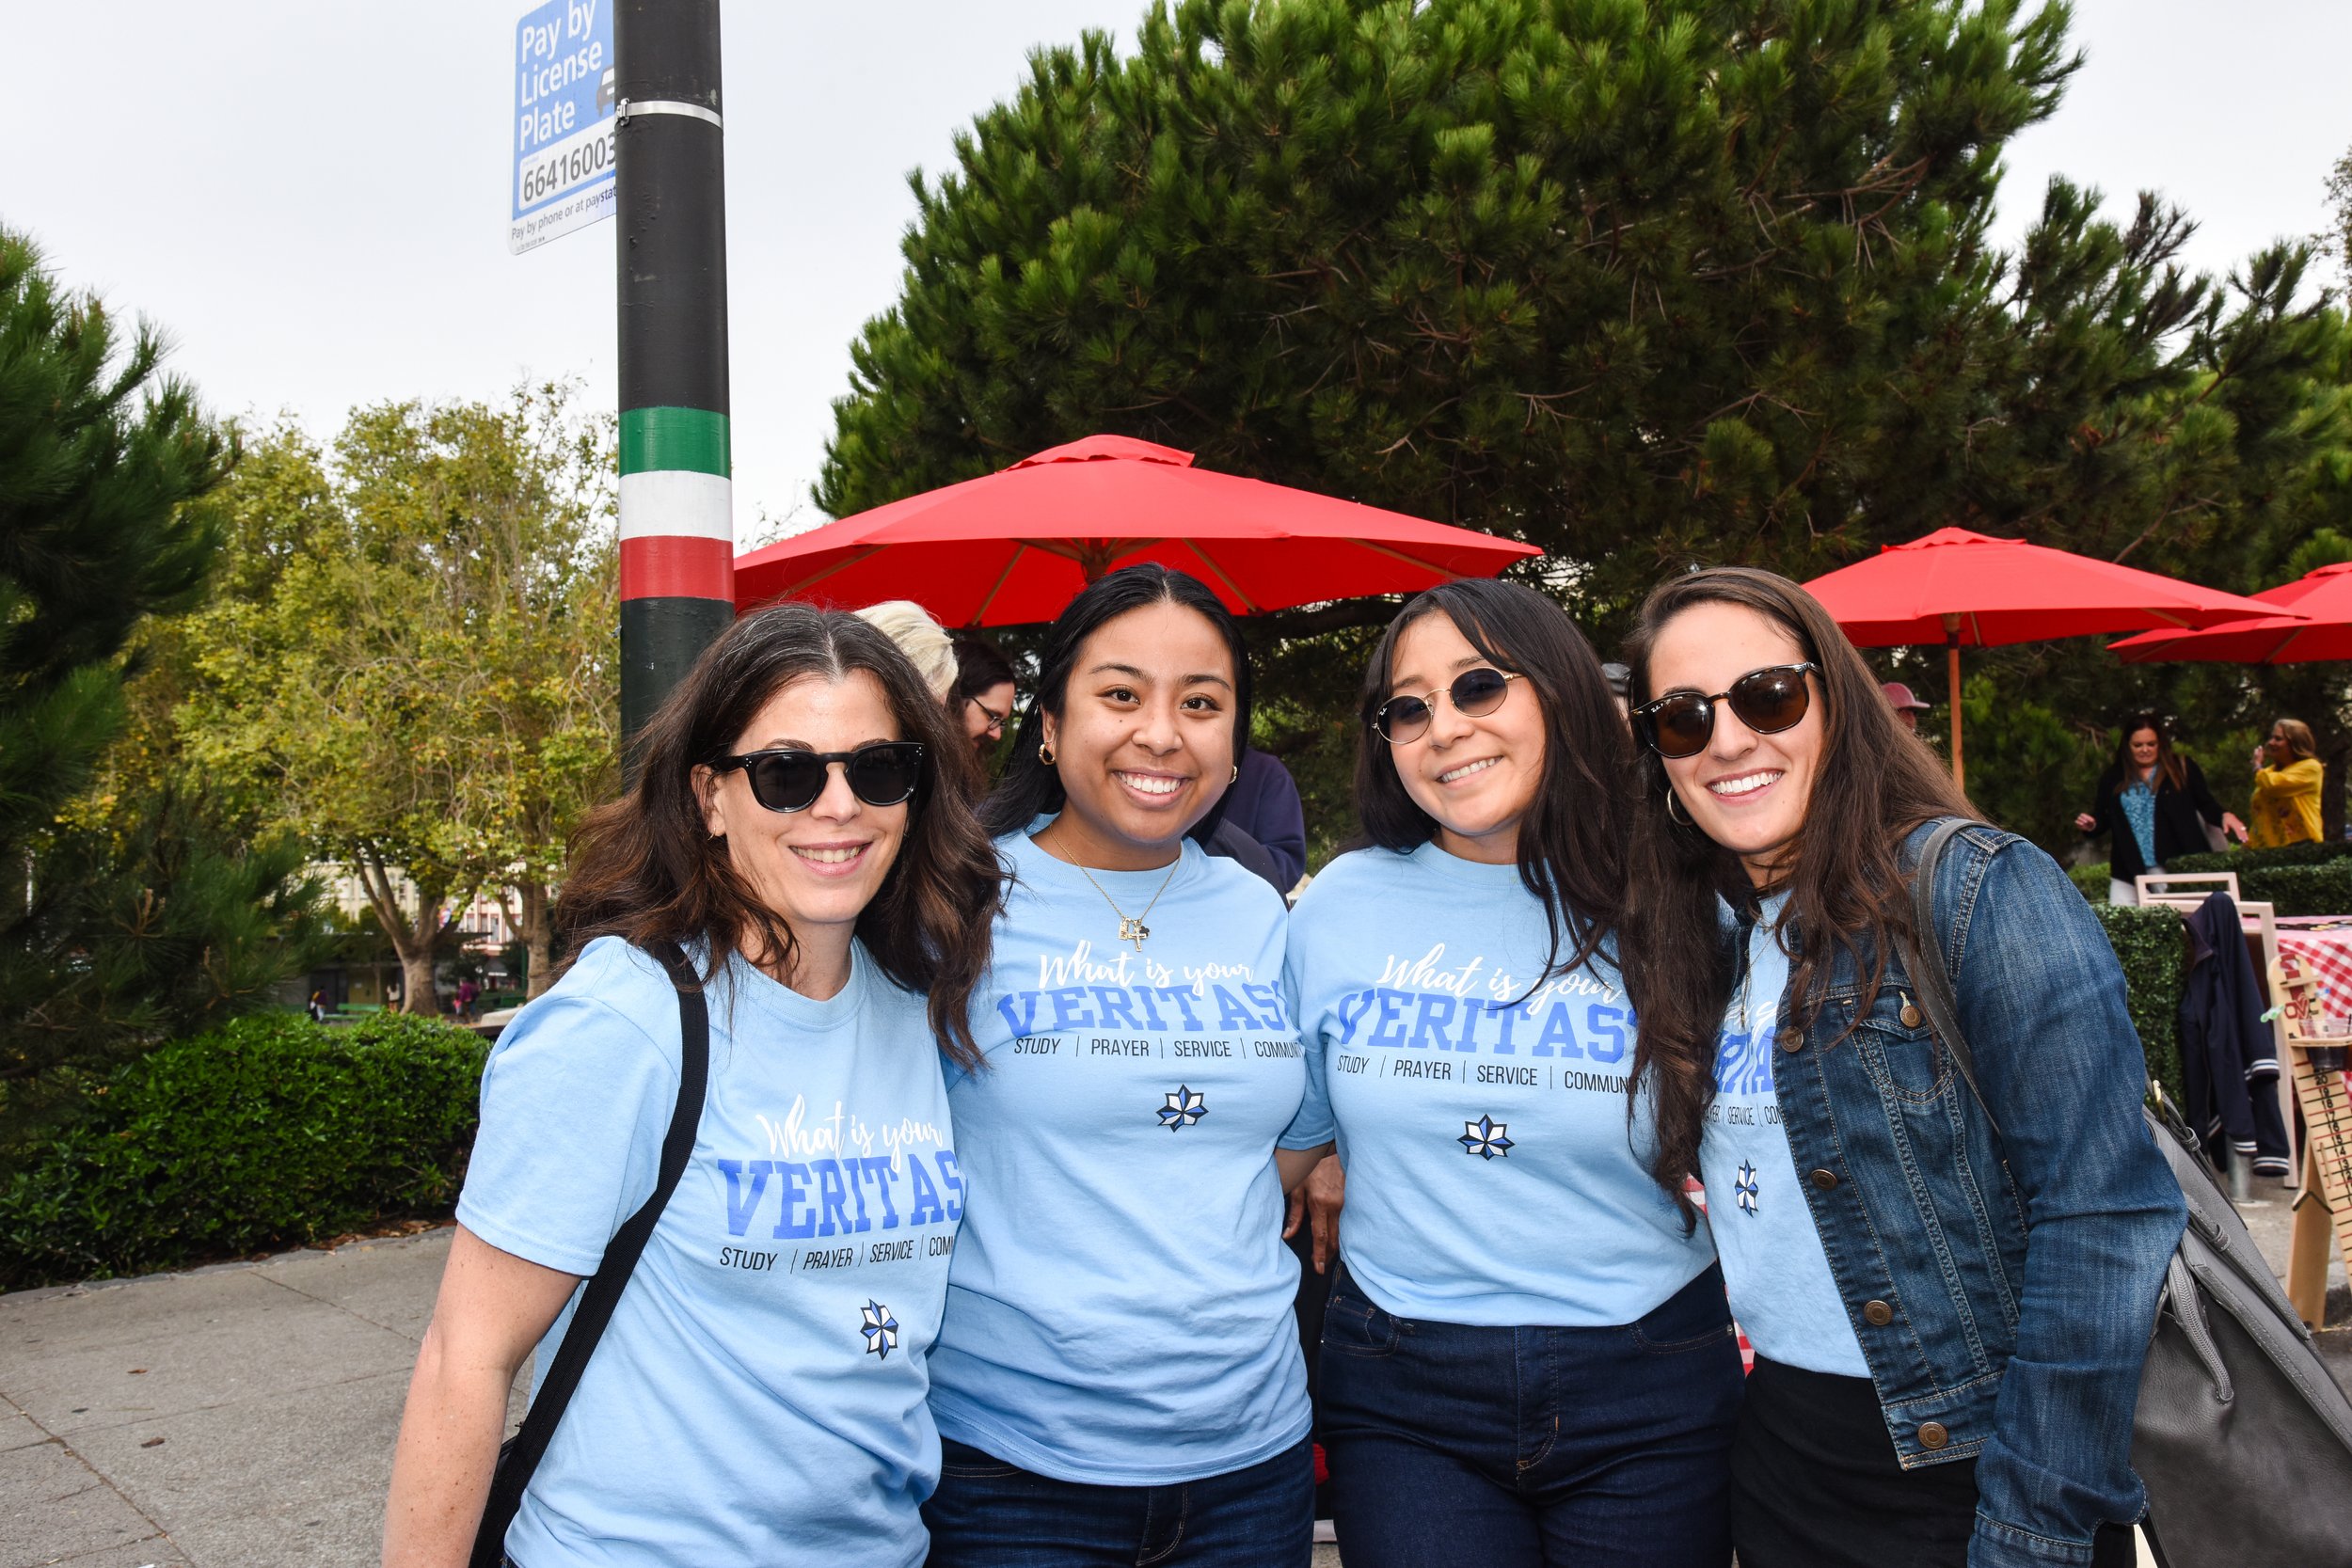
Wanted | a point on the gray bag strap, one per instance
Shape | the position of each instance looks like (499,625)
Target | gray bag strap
(1928,970)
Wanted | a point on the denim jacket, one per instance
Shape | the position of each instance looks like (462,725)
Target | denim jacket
(2003,1285)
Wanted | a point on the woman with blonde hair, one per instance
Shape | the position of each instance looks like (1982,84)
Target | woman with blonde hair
(2287,776)
(923,640)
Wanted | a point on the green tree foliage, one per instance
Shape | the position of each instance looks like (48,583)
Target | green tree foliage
(1645,282)
(414,661)
(126,919)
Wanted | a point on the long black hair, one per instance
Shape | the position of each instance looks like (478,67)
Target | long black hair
(644,866)
(1031,788)
(1572,843)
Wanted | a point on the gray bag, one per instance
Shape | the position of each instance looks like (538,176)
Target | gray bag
(2243,1439)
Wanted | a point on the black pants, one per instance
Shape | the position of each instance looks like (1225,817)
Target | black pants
(1814,1483)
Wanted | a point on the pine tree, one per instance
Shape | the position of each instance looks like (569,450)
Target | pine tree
(123,923)
(1644,284)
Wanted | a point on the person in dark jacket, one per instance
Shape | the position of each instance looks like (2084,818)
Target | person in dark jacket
(2229,1055)
(2153,804)
(1264,802)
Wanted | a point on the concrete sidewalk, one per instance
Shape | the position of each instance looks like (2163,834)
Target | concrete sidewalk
(236,1416)
(243,1416)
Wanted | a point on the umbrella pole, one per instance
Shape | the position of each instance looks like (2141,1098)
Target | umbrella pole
(1952,678)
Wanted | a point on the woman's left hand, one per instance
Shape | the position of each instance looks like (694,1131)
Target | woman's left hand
(2232,827)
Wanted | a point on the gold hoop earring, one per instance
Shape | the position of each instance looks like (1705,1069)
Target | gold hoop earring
(1671,800)
(1045,753)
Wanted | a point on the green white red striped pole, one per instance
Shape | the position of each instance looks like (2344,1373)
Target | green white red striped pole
(677,528)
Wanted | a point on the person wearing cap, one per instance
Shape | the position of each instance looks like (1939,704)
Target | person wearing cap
(1906,704)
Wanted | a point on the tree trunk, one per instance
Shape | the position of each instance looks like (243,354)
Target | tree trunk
(531,911)
(412,939)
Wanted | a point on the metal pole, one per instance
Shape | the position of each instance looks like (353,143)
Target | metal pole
(677,528)
(1951,684)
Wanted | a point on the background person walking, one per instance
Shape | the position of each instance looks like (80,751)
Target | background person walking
(2287,778)
(2152,803)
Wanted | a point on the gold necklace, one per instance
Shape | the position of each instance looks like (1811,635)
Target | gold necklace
(1131,928)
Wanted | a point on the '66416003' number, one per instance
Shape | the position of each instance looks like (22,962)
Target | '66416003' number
(567,166)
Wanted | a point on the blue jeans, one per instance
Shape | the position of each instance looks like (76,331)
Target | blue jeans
(991,1514)
(1504,1447)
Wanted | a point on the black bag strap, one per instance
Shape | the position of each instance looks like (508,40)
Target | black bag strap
(1928,970)
(529,1445)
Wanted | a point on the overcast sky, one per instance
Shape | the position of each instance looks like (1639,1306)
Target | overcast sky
(310,195)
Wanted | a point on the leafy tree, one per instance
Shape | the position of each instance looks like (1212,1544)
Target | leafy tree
(123,922)
(418,667)
(1642,283)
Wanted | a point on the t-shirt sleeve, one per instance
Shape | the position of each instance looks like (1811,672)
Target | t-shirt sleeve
(575,1103)
(1313,1124)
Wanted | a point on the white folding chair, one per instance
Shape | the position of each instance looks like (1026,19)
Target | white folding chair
(2174,887)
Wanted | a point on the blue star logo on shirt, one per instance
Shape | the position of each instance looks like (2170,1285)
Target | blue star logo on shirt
(880,1330)
(1185,1107)
(1486,1137)
(1744,1188)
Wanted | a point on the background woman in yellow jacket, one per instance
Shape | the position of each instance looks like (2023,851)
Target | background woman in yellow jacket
(2286,787)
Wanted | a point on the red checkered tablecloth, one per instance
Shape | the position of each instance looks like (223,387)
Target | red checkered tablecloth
(2319,949)
(1747,1352)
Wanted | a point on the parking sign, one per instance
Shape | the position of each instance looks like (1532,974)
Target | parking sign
(563,120)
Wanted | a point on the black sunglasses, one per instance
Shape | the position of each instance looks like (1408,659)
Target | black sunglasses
(1475,692)
(1767,701)
(787,779)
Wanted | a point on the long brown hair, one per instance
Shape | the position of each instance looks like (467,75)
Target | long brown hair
(2299,742)
(1846,885)
(2169,768)
(645,867)
(1571,846)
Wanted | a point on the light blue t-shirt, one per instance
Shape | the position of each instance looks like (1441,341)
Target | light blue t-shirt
(1492,1176)
(1120,1311)
(758,1396)
(1781,1288)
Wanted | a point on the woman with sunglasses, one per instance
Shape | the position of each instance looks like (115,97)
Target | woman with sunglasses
(1949,1285)
(1118,1380)
(1526,1356)
(758,1394)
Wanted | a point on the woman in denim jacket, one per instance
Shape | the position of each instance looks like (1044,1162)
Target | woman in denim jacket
(1949,1319)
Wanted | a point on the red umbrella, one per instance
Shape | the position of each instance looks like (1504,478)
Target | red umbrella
(1017,546)
(2320,627)
(1955,587)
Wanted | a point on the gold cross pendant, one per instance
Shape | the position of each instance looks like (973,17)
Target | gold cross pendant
(1133,929)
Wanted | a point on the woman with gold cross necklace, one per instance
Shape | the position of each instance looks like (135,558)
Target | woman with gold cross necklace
(1118,1376)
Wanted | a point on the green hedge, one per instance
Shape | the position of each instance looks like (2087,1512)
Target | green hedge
(2153,950)
(2297,878)
(2318,853)
(271,1131)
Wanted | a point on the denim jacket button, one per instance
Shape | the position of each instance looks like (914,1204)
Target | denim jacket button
(1793,1040)
(1825,1180)
(1910,1015)
(1932,1436)
(1876,1313)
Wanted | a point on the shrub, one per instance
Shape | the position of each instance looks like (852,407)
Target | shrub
(2091,878)
(2241,860)
(2153,949)
(271,1130)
